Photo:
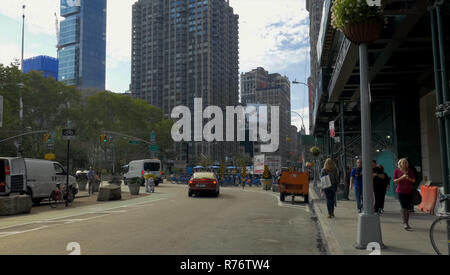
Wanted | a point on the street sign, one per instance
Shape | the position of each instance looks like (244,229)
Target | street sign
(153,148)
(134,142)
(152,136)
(50,157)
(332,129)
(68,134)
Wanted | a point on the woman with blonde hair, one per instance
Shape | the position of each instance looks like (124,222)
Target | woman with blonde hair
(404,179)
(330,169)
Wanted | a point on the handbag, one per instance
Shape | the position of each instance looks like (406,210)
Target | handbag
(417,197)
(325,182)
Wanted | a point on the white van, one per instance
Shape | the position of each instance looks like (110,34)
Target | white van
(43,177)
(12,176)
(137,168)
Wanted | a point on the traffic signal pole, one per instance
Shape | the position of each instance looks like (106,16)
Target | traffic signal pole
(442,98)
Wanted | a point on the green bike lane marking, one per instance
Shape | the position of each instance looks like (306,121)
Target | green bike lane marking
(58,214)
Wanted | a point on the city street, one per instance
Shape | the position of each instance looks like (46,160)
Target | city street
(249,221)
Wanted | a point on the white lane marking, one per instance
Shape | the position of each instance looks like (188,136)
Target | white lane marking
(280,203)
(6,234)
(66,220)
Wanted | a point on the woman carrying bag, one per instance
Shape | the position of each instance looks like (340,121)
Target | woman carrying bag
(329,178)
(404,179)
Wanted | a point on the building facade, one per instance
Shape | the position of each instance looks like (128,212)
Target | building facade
(82,44)
(45,64)
(402,89)
(260,87)
(186,49)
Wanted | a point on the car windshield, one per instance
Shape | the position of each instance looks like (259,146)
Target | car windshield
(151,166)
(204,176)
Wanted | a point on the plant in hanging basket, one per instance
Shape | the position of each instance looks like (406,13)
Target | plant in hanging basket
(359,22)
(315,151)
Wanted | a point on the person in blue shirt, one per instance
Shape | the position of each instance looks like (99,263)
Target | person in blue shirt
(356,182)
(91,179)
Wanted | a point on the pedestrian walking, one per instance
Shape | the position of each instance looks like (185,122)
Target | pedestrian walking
(387,183)
(357,183)
(379,187)
(347,183)
(149,182)
(329,169)
(404,179)
(414,186)
(91,180)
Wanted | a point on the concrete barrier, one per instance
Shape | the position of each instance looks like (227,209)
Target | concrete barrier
(14,205)
(109,193)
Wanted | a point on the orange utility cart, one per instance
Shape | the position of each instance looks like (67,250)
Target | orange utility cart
(294,184)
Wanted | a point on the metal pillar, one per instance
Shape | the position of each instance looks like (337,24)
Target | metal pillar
(344,155)
(442,97)
(369,229)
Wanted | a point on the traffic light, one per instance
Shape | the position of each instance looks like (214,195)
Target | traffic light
(103,138)
(47,138)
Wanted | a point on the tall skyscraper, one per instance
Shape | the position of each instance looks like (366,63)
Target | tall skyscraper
(260,87)
(82,44)
(186,49)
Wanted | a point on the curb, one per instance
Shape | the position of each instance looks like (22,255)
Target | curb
(330,242)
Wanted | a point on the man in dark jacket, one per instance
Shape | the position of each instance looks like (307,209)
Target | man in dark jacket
(379,186)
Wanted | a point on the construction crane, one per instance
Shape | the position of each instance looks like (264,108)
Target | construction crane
(57,32)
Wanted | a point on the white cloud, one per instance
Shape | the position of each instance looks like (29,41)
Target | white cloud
(11,52)
(260,43)
(118,37)
(39,14)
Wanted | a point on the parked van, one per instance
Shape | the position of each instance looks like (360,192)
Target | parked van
(43,176)
(137,168)
(12,176)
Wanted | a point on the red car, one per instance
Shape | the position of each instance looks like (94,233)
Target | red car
(204,182)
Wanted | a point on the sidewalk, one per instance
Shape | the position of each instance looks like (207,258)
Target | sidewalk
(340,233)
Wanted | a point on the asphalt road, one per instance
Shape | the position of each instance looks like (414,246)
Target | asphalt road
(249,222)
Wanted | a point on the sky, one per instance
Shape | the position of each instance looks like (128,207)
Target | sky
(272,34)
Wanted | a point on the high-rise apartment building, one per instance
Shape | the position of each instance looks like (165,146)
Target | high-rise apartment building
(186,49)
(45,64)
(82,44)
(260,87)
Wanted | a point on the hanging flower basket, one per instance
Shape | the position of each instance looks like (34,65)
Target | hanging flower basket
(364,32)
(359,22)
(315,151)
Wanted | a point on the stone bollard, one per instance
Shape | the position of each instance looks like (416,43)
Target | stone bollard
(82,185)
(109,193)
(14,205)
(116,180)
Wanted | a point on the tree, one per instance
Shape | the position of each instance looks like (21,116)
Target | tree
(49,105)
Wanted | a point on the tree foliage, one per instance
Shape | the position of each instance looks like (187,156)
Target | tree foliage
(49,104)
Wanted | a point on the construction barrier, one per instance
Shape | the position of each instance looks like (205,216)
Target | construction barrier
(429,199)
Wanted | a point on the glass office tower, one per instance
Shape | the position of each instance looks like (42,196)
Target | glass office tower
(82,44)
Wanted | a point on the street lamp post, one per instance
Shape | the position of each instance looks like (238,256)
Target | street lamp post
(19,152)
